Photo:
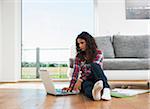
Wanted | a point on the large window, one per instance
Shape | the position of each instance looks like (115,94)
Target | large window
(49,29)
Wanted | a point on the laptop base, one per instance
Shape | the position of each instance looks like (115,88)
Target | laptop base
(60,93)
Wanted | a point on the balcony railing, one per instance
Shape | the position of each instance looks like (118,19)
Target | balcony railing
(55,60)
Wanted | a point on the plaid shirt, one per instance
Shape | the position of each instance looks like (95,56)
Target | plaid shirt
(84,68)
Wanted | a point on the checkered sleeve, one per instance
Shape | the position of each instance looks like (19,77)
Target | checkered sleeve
(75,72)
(99,58)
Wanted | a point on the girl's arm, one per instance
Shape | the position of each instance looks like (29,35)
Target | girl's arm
(75,73)
(99,58)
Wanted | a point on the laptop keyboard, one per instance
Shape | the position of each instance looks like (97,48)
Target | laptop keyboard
(60,91)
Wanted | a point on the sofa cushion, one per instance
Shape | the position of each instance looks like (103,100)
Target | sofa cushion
(104,43)
(126,64)
(132,46)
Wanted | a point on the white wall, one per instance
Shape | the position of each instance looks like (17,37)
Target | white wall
(110,19)
(10,41)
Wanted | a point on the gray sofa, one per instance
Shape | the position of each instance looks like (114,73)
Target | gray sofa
(125,57)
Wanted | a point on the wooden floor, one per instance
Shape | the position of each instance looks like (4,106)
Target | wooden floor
(33,96)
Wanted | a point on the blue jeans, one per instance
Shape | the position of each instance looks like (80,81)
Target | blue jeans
(96,75)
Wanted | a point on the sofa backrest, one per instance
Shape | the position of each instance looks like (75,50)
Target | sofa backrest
(104,43)
(131,46)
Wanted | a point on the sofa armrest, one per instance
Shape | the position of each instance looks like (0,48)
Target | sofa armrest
(71,62)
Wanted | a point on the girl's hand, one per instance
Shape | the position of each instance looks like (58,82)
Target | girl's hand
(66,89)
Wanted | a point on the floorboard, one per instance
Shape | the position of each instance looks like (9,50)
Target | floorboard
(33,96)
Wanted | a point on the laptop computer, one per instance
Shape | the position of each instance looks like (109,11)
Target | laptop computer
(50,88)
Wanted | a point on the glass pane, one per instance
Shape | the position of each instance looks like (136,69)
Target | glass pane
(28,64)
(55,61)
(52,26)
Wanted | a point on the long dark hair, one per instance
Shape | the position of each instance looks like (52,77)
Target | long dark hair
(91,47)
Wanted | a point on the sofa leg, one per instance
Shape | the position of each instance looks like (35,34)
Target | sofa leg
(148,84)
